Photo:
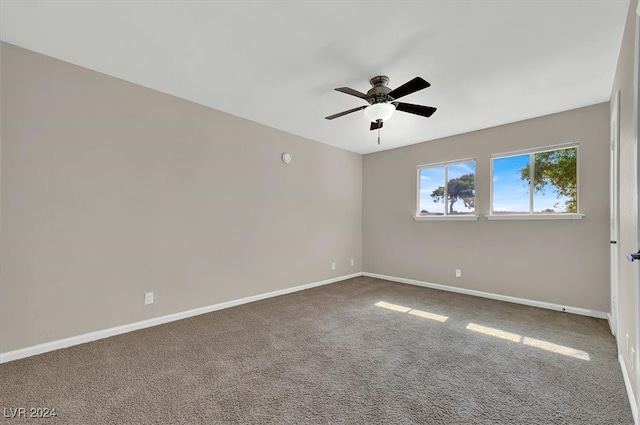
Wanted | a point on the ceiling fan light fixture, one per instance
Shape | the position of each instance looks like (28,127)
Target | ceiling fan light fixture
(379,111)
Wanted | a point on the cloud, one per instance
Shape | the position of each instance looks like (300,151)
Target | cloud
(463,168)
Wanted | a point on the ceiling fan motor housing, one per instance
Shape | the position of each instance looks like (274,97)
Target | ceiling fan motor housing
(378,93)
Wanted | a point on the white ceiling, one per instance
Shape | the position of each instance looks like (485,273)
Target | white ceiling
(277,62)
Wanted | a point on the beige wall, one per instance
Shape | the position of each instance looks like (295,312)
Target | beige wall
(628,193)
(110,190)
(559,261)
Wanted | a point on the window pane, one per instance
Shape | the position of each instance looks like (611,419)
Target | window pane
(431,191)
(555,189)
(461,190)
(511,185)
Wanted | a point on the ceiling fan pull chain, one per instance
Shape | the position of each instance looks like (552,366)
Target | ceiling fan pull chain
(378,135)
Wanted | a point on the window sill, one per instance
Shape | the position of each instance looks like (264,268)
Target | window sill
(535,217)
(446,218)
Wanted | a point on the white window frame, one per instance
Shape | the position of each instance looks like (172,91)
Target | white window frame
(445,216)
(531,215)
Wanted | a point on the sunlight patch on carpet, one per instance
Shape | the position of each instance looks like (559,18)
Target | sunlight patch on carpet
(414,312)
(531,342)
(495,332)
(560,349)
(394,307)
(427,315)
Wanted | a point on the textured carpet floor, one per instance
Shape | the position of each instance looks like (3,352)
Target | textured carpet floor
(354,352)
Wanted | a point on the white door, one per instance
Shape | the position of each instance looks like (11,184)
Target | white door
(636,118)
(613,212)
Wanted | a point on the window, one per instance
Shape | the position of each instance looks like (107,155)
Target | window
(544,181)
(447,189)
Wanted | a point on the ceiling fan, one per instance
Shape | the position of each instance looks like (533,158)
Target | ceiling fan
(383,101)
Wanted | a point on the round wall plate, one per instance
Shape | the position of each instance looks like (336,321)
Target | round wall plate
(286,158)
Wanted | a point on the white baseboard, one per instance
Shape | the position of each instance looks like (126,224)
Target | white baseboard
(105,333)
(627,384)
(541,304)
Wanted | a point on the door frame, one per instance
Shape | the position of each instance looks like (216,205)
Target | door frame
(614,213)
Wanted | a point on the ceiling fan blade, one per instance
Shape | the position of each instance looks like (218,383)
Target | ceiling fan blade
(425,111)
(339,114)
(408,88)
(352,92)
(375,125)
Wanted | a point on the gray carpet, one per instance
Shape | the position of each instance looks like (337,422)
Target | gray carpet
(330,355)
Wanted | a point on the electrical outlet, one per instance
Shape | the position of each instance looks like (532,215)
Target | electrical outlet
(148,298)
(333,266)
(353,263)
(458,273)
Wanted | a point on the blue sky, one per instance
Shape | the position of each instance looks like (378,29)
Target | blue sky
(510,192)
